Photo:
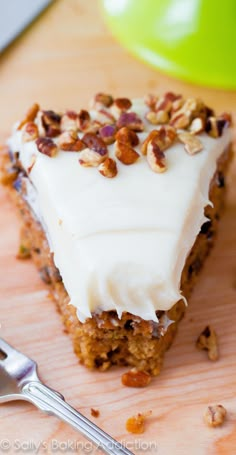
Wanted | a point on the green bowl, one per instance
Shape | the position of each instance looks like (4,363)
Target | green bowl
(194,40)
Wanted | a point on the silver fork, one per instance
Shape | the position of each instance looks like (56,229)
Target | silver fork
(19,381)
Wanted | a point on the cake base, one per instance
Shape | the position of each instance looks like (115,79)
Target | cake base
(104,339)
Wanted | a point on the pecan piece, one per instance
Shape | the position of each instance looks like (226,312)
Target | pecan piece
(135,378)
(29,116)
(192,144)
(156,157)
(69,142)
(104,117)
(108,168)
(215,126)
(51,123)
(182,118)
(197,126)
(96,152)
(125,153)
(120,105)
(84,120)
(131,120)
(102,100)
(46,146)
(163,137)
(30,132)
(127,136)
(208,341)
(69,121)
(215,415)
(151,101)
(108,133)
(158,117)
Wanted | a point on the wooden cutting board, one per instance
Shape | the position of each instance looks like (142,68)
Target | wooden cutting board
(61,61)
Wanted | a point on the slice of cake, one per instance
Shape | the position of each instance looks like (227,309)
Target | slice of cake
(119,209)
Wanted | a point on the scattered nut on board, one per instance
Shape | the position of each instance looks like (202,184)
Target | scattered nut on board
(215,415)
(136,378)
(208,341)
(136,424)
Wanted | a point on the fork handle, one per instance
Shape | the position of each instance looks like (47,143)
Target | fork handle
(51,402)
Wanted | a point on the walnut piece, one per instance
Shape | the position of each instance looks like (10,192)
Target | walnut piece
(136,378)
(108,168)
(30,132)
(46,146)
(192,144)
(29,116)
(208,341)
(136,424)
(215,126)
(125,153)
(215,415)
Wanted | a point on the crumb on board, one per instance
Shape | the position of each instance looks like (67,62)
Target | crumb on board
(215,415)
(207,341)
(136,378)
(94,412)
(136,424)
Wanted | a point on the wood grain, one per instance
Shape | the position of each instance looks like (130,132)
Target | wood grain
(60,61)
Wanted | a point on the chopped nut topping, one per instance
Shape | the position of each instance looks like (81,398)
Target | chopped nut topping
(192,144)
(156,118)
(197,125)
(69,121)
(108,168)
(29,132)
(135,378)
(215,126)
(46,146)
(51,123)
(125,153)
(84,120)
(91,158)
(102,100)
(33,161)
(122,104)
(155,157)
(95,412)
(104,117)
(131,120)
(95,143)
(136,424)
(215,415)
(151,101)
(108,133)
(69,142)
(208,341)
(182,118)
(163,137)
(127,136)
(30,115)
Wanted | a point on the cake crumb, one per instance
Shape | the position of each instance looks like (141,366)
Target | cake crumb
(136,424)
(135,378)
(215,415)
(208,342)
(95,412)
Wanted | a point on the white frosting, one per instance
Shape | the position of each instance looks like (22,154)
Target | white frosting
(122,243)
